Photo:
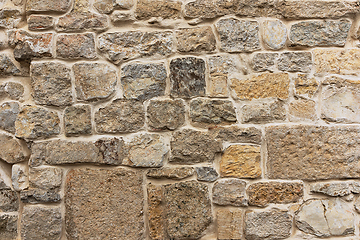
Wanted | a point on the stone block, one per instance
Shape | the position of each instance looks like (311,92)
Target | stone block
(77,120)
(229,192)
(76,46)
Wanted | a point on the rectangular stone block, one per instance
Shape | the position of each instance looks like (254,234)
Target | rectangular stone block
(336,61)
(229,224)
(156,211)
(76,46)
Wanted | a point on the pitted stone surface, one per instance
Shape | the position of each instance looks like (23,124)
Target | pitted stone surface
(305,86)
(230,224)
(13,90)
(8,114)
(336,61)
(230,192)
(156,212)
(113,150)
(171,173)
(7,66)
(40,22)
(8,226)
(75,46)
(77,120)
(295,62)
(273,111)
(262,62)
(206,174)
(47,6)
(235,134)
(199,39)
(9,201)
(163,9)
(302,110)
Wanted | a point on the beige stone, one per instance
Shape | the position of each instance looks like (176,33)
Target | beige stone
(229,192)
(235,134)
(336,61)
(164,9)
(156,212)
(11,150)
(218,86)
(171,173)
(305,85)
(77,120)
(9,226)
(264,112)
(302,109)
(199,39)
(230,224)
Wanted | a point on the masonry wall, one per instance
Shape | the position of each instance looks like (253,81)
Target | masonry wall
(160,119)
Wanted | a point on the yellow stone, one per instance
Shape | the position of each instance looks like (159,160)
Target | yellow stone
(218,85)
(305,85)
(337,61)
(229,224)
(302,109)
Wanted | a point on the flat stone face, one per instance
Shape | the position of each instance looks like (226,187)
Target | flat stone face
(199,39)
(238,35)
(263,193)
(47,6)
(156,212)
(8,229)
(11,150)
(123,46)
(92,195)
(189,147)
(241,161)
(7,66)
(104,6)
(19,177)
(165,114)
(264,112)
(302,109)
(305,86)
(312,153)
(266,85)
(143,81)
(76,46)
(120,116)
(337,61)
(38,154)
(270,225)
(46,220)
(295,62)
(9,201)
(40,22)
(230,224)
(230,192)
(77,120)
(36,122)
(171,173)
(13,90)
(274,34)
(235,134)
(320,33)
(262,62)
(146,9)
(206,174)
(51,84)
(8,115)
(188,209)
(94,81)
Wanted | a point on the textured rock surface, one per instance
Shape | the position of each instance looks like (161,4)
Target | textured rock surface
(7,66)
(9,201)
(206,174)
(171,173)
(13,90)
(295,62)
(264,112)
(302,109)
(47,5)
(40,22)
(75,46)
(112,150)
(163,9)
(156,212)
(200,39)
(336,61)
(19,177)
(305,86)
(77,120)
(235,134)
(8,226)
(8,114)
(230,192)
(335,189)
(230,224)
(11,149)
(274,34)
(262,62)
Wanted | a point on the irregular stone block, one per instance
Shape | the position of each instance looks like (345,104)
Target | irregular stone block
(295,62)
(229,192)
(320,33)
(274,34)
(187,77)
(76,46)
(156,212)
(171,173)
(312,153)
(264,112)
(199,39)
(92,195)
(189,147)
(94,81)
(235,134)
(113,150)
(13,90)
(51,84)
(305,86)
(337,61)
(163,9)
(9,201)
(60,6)
(218,86)
(78,21)
(241,161)
(238,35)
(8,226)
(11,150)
(124,4)
(19,177)
(40,22)
(120,116)
(8,114)
(77,120)
(104,6)
(230,224)
(10,17)
(118,17)
(206,174)
(7,66)
(335,189)
(262,62)
(38,154)
(123,46)
(143,81)
(165,114)
(302,109)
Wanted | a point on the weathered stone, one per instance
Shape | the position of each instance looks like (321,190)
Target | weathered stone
(123,46)
(274,34)
(94,80)
(264,112)
(199,39)
(10,17)
(241,161)
(334,189)
(187,77)
(113,150)
(76,46)
(3,40)
(235,134)
(171,173)
(40,22)
(146,150)
(320,33)
(302,109)
(77,120)
(188,209)
(311,152)
(340,101)
(15,91)
(11,150)
(36,122)
(9,201)
(4,183)
(156,212)
(7,66)
(206,174)
(164,9)
(305,86)
(41,222)
(269,225)
(165,114)
(118,17)
(325,218)
(337,61)
(266,85)
(218,86)
(60,6)
(229,192)
(92,195)
(357,205)
(8,114)
(51,84)
(120,116)
(104,6)
(82,20)
(19,177)
(189,147)
(262,62)
(8,226)
(38,152)
(238,35)
(124,4)
(143,81)
(230,224)
(295,62)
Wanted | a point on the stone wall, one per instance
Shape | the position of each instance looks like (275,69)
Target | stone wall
(179,119)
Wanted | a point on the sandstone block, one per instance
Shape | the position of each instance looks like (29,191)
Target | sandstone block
(19,177)
(163,9)
(171,173)
(8,114)
(305,86)
(7,66)
(295,62)
(104,6)
(60,6)
(77,120)
(218,86)
(82,20)
(11,150)
(235,134)
(8,229)
(274,34)
(40,22)
(302,109)
(206,174)
(336,61)
(262,62)
(264,112)
(76,46)
(199,39)
(229,192)
(230,224)
(156,212)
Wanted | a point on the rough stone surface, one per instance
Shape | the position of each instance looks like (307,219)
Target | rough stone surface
(320,33)
(235,134)
(76,46)
(156,212)
(120,116)
(113,150)
(336,61)
(51,84)
(171,173)
(104,6)
(38,154)
(8,114)
(241,161)
(118,17)
(302,110)
(230,192)
(230,224)
(305,86)
(13,90)
(189,147)
(187,77)
(262,62)
(312,153)
(124,4)
(11,150)
(94,81)
(238,35)
(335,189)
(199,39)
(264,112)
(96,200)
(188,209)
(274,34)
(10,17)
(270,225)
(8,226)
(295,62)
(77,120)
(206,174)
(60,6)
(19,177)
(40,222)
(40,22)
(143,81)
(357,205)
(7,66)
(165,114)
(9,201)
(163,9)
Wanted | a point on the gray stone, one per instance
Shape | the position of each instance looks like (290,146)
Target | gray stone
(335,189)
(113,150)
(177,173)
(8,226)
(19,177)
(264,112)
(94,81)
(187,77)
(7,66)
(10,17)
(11,149)
(38,152)
(199,39)
(41,222)
(60,6)
(15,91)
(82,20)
(274,34)
(76,46)
(320,33)
(120,116)
(163,9)
(51,84)
(295,62)
(238,35)
(235,134)
(106,203)
(40,22)
(77,120)
(104,6)
(8,114)
(206,174)
(230,224)
(143,81)
(9,201)
(262,62)
(229,192)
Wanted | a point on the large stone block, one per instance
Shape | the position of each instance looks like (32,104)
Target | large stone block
(60,6)
(274,34)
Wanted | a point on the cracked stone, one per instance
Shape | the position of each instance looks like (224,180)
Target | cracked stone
(8,114)
(229,192)
(305,86)
(335,189)
(113,150)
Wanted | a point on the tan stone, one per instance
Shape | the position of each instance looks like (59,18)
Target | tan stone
(229,192)
(305,86)
(302,109)
(171,173)
(230,224)
(218,86)
(235,134)
(337,61)
(200,39)
(156,212)
(146,9)
(11,150)
(241,161)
